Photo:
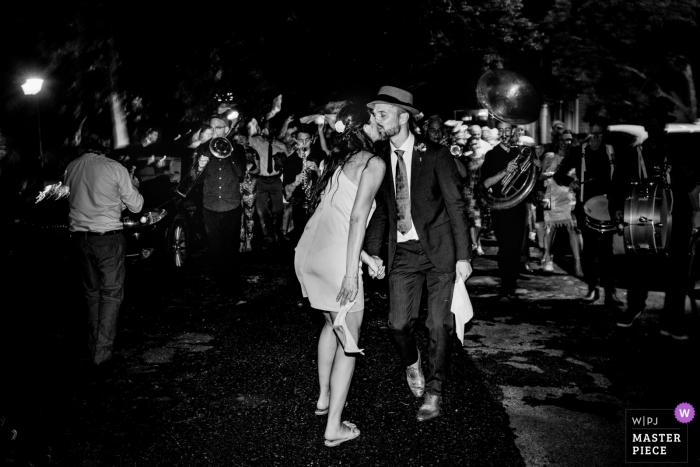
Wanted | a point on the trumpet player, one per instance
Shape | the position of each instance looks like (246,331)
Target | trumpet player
(300,172)
(222,208)
(509,225)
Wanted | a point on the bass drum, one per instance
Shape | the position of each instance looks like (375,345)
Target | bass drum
(647,218)
(597,214)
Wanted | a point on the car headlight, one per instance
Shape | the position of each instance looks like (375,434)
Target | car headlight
(151,217)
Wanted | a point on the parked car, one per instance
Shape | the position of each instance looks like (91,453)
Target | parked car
(168,229)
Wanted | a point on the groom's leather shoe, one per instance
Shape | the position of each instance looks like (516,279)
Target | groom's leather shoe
(431,408)
(414,376)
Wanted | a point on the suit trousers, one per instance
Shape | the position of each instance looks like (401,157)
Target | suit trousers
(224,234)
(300,216)
(270,190)
(674,270)
(510,227)
(597,254)
(102,270)
(410,269)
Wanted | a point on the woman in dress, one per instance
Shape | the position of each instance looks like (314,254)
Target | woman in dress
(561,203)
(327,260)
(475,158)
(248,188)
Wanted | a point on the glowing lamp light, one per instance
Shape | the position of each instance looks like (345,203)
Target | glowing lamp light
(32,86)
(232,115)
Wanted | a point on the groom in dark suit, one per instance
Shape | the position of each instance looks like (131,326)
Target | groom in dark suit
(421,204)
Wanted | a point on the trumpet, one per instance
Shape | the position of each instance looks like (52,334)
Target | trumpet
(457,150)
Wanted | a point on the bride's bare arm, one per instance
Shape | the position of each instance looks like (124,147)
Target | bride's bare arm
(370,180)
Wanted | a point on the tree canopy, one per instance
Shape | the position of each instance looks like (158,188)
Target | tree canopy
(170,62)
(625,53)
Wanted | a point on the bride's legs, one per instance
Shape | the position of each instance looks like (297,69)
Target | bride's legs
(327,346)
(341,377)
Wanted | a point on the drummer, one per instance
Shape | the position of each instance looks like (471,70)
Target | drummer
(651,161)
(593,163)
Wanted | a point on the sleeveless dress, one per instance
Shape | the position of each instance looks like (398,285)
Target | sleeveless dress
(562,198)
(321,253)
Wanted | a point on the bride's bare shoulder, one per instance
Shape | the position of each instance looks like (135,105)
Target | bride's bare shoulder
(370,161)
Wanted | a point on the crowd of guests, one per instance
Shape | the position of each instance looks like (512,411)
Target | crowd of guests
(279,161)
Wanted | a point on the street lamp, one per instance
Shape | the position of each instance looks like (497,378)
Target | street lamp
(31,88)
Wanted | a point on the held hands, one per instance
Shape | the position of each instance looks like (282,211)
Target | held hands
(377,270)
(464,270)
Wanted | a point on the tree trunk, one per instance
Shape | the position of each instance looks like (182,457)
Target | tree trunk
(692,96)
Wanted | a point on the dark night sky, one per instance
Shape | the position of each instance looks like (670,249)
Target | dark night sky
(309,51)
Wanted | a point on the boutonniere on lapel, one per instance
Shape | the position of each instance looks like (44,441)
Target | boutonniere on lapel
(420,148)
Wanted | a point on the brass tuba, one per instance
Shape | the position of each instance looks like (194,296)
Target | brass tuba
(510,98)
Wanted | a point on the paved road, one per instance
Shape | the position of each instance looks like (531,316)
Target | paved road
(541,383)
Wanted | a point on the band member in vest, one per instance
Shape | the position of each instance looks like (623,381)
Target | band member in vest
(653,161)
(222,208)
(271,154)
(300,173)
(509,225)
(421,205)
(594,164)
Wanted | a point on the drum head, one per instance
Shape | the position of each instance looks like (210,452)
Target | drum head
(648,218)
(597,208)
(664,226)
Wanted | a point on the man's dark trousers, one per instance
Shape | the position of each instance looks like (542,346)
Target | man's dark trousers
(300,216)
(509,226)
(410,269)
(270,189)
(597,254)
(224,234)
(102,270)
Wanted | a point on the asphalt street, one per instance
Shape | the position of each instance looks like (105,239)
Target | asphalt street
(543,382)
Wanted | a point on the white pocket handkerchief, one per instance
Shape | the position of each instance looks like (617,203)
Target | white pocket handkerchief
(462,308)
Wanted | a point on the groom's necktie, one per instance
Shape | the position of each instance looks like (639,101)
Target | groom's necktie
(403,199)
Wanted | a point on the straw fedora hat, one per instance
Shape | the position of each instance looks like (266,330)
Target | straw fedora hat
(395,96)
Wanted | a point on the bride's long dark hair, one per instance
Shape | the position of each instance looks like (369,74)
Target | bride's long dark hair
(348,143)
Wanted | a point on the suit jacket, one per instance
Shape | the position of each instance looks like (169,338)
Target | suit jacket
(438,210)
